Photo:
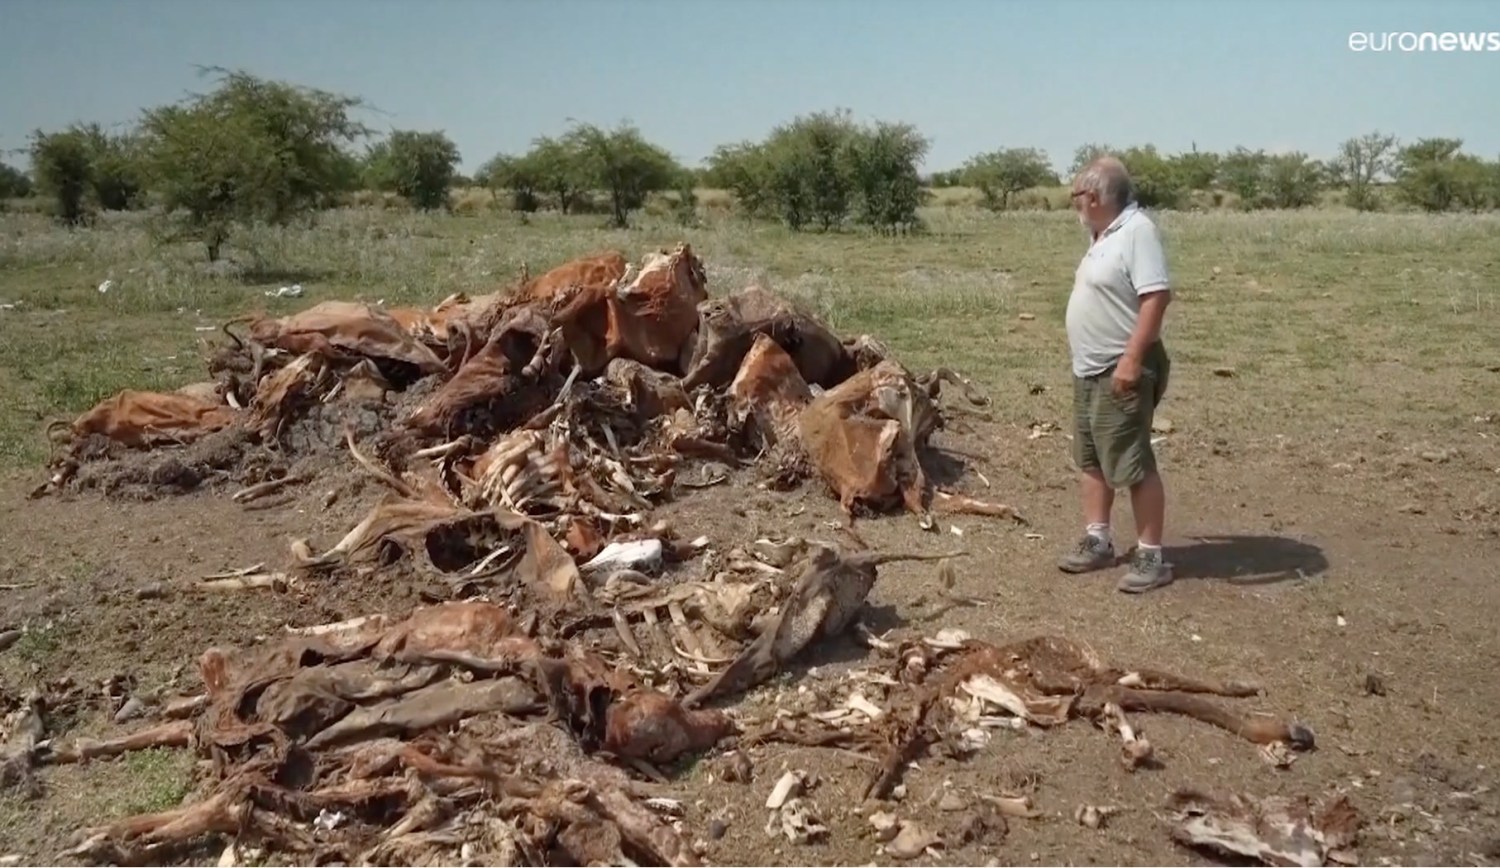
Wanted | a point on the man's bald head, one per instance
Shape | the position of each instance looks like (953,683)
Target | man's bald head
(1107,178)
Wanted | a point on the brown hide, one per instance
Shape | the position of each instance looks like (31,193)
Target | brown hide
(346,330)
(596,271)
(433,325)
(769,389)
(140,420)
(863,434)
(490,375)
(653,320)
(728,327)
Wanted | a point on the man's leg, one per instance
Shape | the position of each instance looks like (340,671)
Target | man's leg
(1130,462)
(1095,549)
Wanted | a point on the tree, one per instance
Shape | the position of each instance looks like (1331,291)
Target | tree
(252,150)
(1242,172)
(885,177)
(419,167)
(1292,180)
(1472,182)
(516,174)
(745,170)
(14,183)
(1426,173)
(1000,174)
(62,165)
(622,163)
(1359,163)
(1196,169)
(1087,153)
(1157,183)
(114,167)
(558,166)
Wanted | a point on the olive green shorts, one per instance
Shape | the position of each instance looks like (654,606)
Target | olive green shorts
(1112,434)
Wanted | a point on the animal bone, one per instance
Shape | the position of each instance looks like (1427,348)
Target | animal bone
(1136,751)
(827,596)
(1276,830)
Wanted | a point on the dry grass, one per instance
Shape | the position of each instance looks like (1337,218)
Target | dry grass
(1360,345)
(1311,306)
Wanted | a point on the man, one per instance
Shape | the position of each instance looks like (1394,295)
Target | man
(1120,367)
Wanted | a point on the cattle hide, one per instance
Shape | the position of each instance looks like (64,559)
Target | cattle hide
(652,320)
(727,328)
(141,420)
(482,397)
(346,331)
(601,270)
(769,391)
(862,436)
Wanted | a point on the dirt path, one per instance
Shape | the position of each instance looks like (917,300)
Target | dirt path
(1361,600)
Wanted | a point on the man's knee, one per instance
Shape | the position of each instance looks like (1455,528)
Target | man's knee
(1124,448)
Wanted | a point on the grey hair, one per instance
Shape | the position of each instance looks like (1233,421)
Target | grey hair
(1107,178)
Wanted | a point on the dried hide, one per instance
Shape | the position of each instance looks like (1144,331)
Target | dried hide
(405,728)
(286,391)
(452,539)
(1048,680)
(728,327)
(142,420)
(650,394)
(486,394)
(431,326)
(652,320)
(863,435)
(769,391)
(345,331)
(1276,830)
(828,593)
(601,270)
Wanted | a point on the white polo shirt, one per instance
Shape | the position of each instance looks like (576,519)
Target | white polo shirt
(1124,263)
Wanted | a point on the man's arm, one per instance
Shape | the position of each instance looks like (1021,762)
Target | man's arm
(1148,275)
(1148,323)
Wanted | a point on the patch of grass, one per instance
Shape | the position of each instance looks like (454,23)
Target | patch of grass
(1314,310)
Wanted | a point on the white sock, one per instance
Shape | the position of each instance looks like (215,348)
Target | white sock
(1100,532)
(1149,549)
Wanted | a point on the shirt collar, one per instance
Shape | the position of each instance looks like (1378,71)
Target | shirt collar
(1130,211)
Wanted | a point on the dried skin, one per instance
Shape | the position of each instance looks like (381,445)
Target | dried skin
(345,331)
(1048,680)
(830,590)
(728,328)
(652,320)
(142,420)
(506,377)
(1276,830)
(863,436)
(769,390)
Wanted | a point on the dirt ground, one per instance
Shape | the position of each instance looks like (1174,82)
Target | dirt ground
(1360,597)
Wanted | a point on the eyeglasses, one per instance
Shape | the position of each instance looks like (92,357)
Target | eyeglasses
(1076,193)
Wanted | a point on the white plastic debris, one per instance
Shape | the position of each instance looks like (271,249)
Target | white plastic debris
(106,286)
(293,291)
(644,555)
(329,820)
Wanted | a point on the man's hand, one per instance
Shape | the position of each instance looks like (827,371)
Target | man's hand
(1127,374)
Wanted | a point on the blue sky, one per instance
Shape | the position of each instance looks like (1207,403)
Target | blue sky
(973,76)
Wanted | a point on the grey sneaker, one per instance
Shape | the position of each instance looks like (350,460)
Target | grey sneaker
(1090,554)
(1147,572)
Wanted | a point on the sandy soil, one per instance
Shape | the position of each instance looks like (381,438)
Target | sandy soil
(1361,598)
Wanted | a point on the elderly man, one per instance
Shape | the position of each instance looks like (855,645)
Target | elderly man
(1120,367)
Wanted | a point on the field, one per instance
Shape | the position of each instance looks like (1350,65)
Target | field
(1331,452)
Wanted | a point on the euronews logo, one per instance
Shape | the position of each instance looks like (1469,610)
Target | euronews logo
(1407,41)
